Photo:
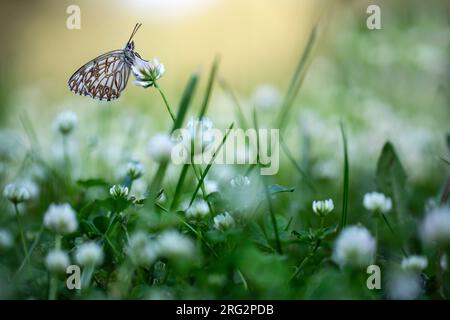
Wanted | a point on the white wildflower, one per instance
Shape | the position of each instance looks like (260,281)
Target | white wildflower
(142,251)
(61,219)
(377,202)
(211,186)
(6,240)
(57,261)
(240,181)
(354,247)
(323,207)
(146,73)
(118,191)
(223,221)
(414,263)
(66,122)
(89,254)
(402,285)
(171,243)
(435,228)
(266,97)
(198,210)
(135,170)
(160,147)
(16,193)
(198,136)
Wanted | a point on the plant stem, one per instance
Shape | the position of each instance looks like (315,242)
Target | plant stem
(309,256)
(22,235)
(165,101)
(53,290)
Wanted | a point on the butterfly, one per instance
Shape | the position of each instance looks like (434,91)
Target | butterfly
(106,76)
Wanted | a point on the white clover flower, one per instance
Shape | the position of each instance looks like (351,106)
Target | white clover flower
(6,240)
(435,228)
(323,207)
(15,193)
(61,219)
(147,73)
(240,181)
(66,122)
(377,202)
(118,191)
(135,169)
(160,147)
(171,243)
(266,97)
(89,254)
(198,136)
(142,251)
(223,221)
(443,262)
(57,261)
(354,247)
(414,263)
(211,186)
(403,285)
(198,210)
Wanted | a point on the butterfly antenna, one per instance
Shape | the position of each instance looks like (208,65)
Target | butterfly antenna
(136,28)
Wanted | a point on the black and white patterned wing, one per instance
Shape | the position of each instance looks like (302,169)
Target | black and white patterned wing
(102,78)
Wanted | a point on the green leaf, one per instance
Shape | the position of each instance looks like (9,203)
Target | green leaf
(276,188)
(391,176)
(212,76)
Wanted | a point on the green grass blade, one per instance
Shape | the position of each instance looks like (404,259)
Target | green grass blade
(343,221)
(212,76)
(237,106)
(203,176)
(296,81)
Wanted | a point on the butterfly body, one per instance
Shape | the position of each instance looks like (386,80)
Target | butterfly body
(105,77)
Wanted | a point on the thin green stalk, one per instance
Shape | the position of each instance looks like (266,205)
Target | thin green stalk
(273,220)
(305,260)
(343,221)
(20,225)
(27,257)
(53,283)
(165,101)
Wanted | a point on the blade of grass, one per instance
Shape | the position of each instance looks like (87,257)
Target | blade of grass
(203,176)
(212,76)
(289,155)
(181,114)
(237,106)
(296,81)
(343,221)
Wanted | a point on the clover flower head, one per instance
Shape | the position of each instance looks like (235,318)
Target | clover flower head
(435,227)
(198,210)
(6,240)
(146,73)
(16,193)
(66,122)
(173,244)
(223,221)
(61,219)
(135,169)
(266,97)
(240,182)
(160,147)
(377,202)
(118,191)
(89,254)
(354,247)
(323,207)
(142,250)
(57,261)
(414,263)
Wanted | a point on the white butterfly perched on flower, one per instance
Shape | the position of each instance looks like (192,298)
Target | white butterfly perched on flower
(106,76)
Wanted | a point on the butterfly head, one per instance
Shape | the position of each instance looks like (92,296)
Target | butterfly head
(130,46)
